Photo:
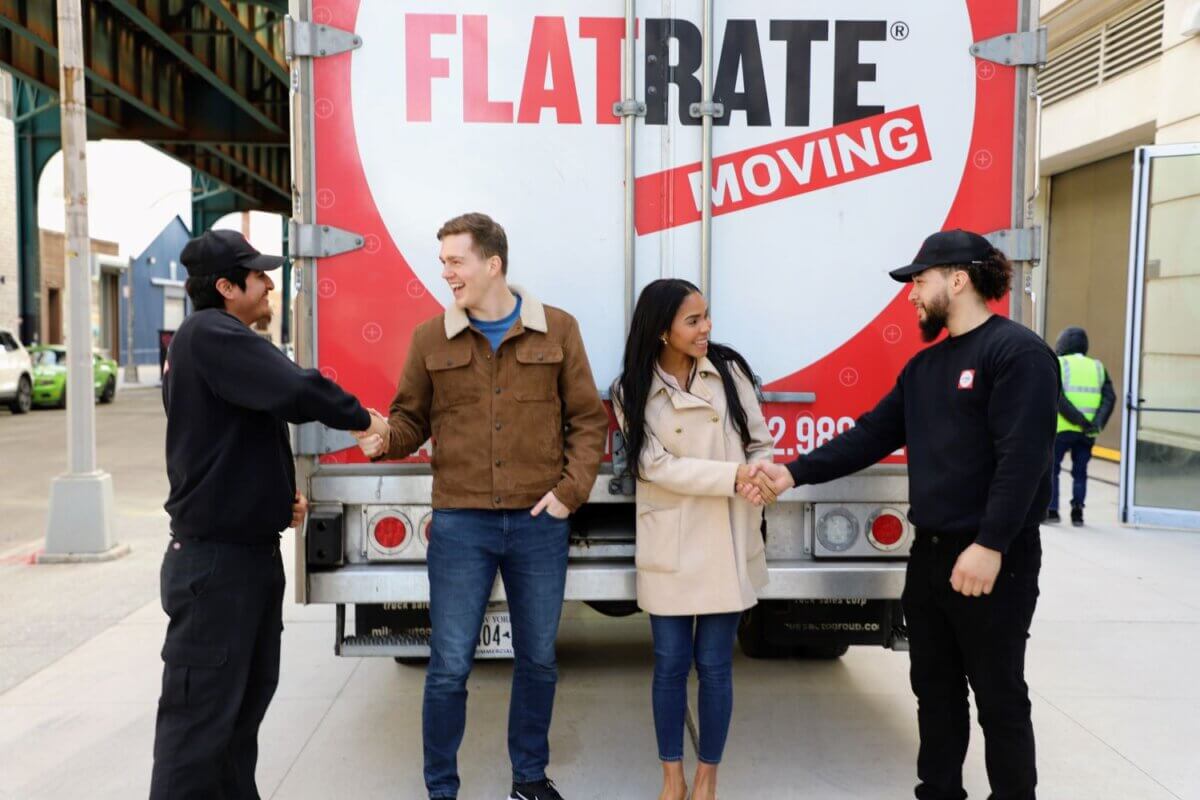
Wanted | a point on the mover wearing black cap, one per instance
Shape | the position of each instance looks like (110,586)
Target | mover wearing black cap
(947,248)
(229,394)
(219,251)
(977,412)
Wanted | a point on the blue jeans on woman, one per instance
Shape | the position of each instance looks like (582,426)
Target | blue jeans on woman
(707,641)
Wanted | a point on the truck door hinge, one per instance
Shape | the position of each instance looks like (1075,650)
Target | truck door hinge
(629,108)
(1027,48)
(320,241)
(1018,244)
(698,110)
(310,40)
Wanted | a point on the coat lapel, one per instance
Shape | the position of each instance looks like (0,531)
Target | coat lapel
(701,394)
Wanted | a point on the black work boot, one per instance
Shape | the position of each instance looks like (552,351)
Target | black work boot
(1077,516)
(1052,516)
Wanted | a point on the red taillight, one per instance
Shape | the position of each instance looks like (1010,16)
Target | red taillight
(887,530)
(390,532)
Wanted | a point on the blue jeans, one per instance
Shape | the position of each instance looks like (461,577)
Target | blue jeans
(1080,447)
(466,549)
(707,640)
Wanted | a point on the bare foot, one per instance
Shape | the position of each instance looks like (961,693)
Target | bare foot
(674,785)
(704,786)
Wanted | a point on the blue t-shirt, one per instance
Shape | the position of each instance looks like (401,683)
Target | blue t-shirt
(494,331)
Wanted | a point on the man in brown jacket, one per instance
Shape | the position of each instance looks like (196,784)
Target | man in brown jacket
(503,385)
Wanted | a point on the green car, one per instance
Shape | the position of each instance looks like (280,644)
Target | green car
(50,376)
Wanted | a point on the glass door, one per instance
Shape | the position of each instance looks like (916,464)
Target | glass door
(1160,475)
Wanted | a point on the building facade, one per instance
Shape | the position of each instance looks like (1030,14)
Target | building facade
(1120,75)
(154,289)
(107,268)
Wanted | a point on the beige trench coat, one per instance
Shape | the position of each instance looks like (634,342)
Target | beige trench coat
(699,545)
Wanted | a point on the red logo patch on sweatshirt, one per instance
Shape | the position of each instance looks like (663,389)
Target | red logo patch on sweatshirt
(967,379)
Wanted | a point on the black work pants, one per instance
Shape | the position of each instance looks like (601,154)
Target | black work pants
(221,666)
(980,641)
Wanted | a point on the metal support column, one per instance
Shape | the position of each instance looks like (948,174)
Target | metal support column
(36,123)
(212,200)
(80,524)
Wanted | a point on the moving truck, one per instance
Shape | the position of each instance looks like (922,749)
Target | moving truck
(781,156)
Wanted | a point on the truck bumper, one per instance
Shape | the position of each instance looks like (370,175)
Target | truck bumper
(600,580)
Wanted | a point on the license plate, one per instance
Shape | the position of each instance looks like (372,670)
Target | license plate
(495,637)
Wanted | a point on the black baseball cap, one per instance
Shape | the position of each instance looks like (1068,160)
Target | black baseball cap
(218,251)
(943,249)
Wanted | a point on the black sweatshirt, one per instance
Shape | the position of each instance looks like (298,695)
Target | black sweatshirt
(229,393)
(978,413)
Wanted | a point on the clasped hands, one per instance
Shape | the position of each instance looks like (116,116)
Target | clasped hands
(761,482)
(374,440)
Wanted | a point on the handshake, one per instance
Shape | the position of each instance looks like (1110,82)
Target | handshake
(762,482)
(374,440)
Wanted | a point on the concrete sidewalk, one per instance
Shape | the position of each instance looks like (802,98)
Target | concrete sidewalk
(1112,665)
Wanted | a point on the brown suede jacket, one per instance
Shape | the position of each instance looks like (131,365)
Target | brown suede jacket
(508,426)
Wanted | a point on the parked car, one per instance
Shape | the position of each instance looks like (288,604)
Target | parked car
(16,373)
(50,376)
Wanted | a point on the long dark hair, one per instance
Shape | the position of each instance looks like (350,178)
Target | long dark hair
(656,308)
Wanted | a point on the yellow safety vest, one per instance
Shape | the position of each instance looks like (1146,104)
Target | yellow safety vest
(1082,378)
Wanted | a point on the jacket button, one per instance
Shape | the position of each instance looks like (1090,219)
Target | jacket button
(497,426)
(934,540)
(541,357)
(489,356)
(679,430)
(497,390)
(716,419)
(497,462)
(497,500)
(448,362)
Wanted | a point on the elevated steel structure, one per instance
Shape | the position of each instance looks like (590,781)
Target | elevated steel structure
(204,81)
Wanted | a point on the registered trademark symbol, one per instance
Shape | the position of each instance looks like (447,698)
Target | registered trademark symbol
(899,31)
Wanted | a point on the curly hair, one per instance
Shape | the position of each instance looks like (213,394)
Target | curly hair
(991,277)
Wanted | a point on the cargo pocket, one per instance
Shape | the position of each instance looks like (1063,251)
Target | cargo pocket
(187,570)
(193,673)
(658,540)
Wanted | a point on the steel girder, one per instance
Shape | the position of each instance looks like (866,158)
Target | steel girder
(204,81)
(201,79)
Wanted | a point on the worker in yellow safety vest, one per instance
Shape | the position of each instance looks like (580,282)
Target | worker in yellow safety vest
(1086,403)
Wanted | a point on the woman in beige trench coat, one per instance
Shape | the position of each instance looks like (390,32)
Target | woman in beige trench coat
(691,419)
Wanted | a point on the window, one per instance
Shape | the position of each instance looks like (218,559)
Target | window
(1110,50)
(10,344)
(49,358)
(172,313)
